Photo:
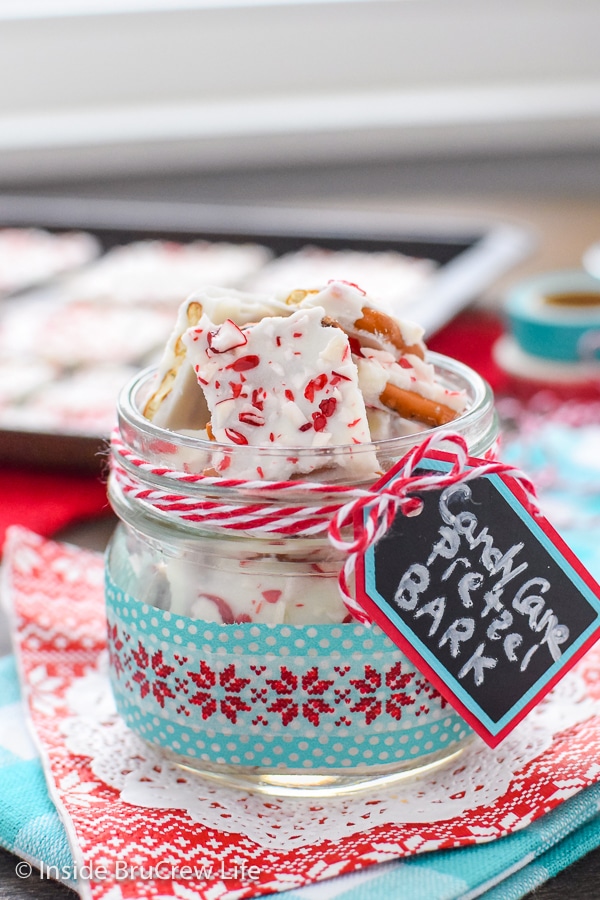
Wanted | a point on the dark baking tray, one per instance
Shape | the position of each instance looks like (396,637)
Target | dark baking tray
(471,255)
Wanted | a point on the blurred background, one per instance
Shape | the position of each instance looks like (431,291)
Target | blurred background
(423,102)
(93,89)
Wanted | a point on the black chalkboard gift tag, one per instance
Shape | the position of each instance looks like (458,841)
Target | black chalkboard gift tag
(479,591)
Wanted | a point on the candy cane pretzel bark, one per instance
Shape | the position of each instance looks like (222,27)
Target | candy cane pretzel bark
(276,379)
(389,355)
(383,362)
(407,387)
(285,382)
(178,403)
(366,326)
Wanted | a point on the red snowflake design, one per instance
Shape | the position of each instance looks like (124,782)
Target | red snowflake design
(291,695)
(369,703)
(205,680)
(231,704)
(148,667)
(115,645)
(315,687)
(286,686)
(397,682)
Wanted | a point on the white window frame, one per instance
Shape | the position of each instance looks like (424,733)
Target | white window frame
(90,86)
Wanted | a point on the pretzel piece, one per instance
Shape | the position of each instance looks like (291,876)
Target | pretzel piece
(379,324)
(413,406)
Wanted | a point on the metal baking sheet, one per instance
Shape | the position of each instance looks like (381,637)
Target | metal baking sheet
(470,255)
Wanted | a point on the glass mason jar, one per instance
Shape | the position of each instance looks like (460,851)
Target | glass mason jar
(230,647)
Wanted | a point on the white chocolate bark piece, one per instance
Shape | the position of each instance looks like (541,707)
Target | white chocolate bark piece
(29,256)
(252,589)
(378,369)
(283,382)
(165,272)
(350,306)
(391,278)
(178,402)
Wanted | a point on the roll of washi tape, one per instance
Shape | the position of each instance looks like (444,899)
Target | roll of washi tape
(533,372)
(556,316)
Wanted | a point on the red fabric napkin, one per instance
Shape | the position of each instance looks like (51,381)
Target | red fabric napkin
(46,501)
(470,338)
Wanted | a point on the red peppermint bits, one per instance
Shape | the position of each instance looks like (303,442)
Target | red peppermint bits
(328,406)
(258,398)
(251,418)
(244,363)
(319,421)
(225,338)
(355,346)
(235,436)
(336,377)
(306,426)
(314,385)
(289,395)
(404,363)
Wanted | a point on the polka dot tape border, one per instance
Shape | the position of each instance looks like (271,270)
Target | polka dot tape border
(292,697)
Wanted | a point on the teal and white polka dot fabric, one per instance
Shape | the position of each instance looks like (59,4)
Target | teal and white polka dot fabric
(327,697)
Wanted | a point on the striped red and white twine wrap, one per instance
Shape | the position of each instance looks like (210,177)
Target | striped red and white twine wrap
(344,505)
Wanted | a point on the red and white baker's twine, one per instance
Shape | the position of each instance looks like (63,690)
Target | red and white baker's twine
(131,472)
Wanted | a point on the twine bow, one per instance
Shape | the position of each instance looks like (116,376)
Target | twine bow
(400,494)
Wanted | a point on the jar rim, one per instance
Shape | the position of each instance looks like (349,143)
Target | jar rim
(481,402)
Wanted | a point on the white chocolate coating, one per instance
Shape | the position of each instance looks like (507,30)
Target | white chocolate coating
(286,382)
(376,368)
(344,303)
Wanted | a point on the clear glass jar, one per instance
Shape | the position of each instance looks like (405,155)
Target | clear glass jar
(232,651)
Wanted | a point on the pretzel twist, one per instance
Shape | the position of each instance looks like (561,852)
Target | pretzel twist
(379,324)
(413,406)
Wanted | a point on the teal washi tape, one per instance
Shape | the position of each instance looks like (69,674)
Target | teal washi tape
(333,698)
(556,316)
